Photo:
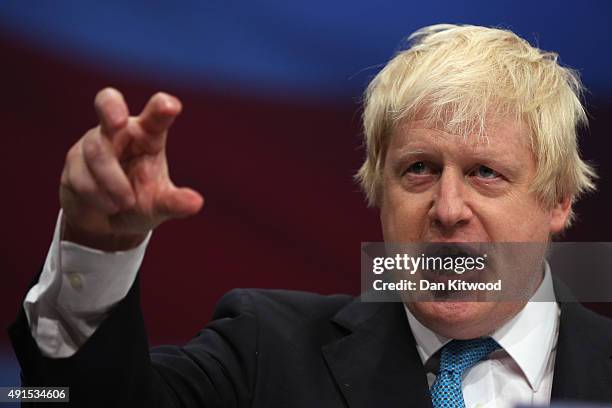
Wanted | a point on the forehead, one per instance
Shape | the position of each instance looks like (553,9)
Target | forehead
(501,137)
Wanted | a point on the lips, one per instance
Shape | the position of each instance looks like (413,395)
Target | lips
(456,253)
(453,249)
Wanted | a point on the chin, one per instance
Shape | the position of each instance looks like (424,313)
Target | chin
(458,320)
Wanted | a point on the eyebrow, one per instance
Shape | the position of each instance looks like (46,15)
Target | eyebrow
(407,153)
(493,156)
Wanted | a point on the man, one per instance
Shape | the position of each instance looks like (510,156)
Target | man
(471,137)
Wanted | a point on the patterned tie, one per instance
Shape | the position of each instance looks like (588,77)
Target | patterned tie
(456,357)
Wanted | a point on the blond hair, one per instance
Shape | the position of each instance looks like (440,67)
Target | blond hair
(459,75)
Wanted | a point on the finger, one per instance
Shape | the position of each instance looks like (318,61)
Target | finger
(179,202)
(156,117)
(106,171)
(159,113)
(78,180)
(112,111)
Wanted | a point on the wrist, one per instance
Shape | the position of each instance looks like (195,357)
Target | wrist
(106,242)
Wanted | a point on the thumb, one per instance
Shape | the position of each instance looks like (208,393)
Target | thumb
(179,202)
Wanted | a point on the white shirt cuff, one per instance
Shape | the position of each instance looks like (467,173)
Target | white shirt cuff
(75,291)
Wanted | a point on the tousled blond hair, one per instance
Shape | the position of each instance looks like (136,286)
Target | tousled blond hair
(459,75)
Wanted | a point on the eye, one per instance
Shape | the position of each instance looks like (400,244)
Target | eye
(418,168)
(486,173)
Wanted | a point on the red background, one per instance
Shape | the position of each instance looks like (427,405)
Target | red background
(281,208)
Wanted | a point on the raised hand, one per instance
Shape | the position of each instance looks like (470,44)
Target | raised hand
(115,185)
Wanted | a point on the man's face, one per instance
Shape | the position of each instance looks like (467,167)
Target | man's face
(439,187)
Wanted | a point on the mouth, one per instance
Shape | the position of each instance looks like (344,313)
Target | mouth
(453,249)
(445,261)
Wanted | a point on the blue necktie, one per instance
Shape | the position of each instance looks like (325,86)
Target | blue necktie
(456,357)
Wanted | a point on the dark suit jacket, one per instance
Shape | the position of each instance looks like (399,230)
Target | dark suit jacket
(271,348)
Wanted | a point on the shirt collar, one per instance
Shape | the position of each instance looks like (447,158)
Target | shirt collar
(529,337)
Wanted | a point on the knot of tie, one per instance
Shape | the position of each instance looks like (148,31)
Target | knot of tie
(456,357)
(459,355)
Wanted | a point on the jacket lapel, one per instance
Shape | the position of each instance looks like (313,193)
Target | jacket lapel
(583,365)
(377,363)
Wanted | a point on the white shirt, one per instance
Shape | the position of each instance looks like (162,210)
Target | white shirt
(79,285)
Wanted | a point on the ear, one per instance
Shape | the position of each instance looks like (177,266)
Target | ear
(559,215)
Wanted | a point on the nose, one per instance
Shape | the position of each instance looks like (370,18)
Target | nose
(449,209)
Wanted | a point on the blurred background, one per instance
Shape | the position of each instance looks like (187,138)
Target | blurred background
(270,132)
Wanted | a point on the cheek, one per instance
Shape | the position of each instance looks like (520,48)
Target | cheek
(403,215)
(515,218)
